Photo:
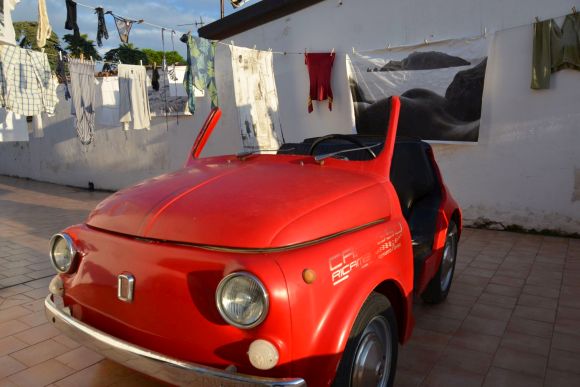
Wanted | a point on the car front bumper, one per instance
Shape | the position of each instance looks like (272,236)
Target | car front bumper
(159,366)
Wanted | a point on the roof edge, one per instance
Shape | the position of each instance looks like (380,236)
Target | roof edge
(253,16)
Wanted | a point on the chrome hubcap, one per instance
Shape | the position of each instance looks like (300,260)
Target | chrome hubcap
(448,261)
(373,356)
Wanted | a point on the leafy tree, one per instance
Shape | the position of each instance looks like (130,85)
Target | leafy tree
(154,56)
(126,54)
(26,35)
(81,45)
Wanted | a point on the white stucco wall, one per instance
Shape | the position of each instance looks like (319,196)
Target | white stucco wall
(524,170)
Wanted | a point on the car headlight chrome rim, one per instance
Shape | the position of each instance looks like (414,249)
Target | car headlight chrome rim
(242,300)
(62,252)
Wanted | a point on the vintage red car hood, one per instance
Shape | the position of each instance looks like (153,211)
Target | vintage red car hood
(262,202)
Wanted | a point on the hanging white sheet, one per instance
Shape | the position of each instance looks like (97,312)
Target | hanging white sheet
(256,99)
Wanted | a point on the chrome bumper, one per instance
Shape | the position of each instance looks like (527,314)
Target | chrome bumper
(151,363)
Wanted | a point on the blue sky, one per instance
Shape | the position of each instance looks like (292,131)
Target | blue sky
(169,13)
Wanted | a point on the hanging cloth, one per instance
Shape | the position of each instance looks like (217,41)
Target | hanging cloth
(200,72)
(256,98)
(134,99)
(61,73)
(124,26)
(71,18)
(237,3)
(13,127)
(82,82)
(44,29)
(101,26)
(320,70)
(26,82)
(7,34)
(555,49)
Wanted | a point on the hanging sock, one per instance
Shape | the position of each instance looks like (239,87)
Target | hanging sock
(102,26)
(320,70)
(61,73)
(155,79)
(44,29)
(71,18)
(200,69)
(124,26)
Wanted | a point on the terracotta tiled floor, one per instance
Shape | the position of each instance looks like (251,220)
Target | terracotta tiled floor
(512,317)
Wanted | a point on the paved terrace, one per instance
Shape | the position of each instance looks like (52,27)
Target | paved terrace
(512,318)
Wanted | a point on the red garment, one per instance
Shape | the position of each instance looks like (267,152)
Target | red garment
(319,69)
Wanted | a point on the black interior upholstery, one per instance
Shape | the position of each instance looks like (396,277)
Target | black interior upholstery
(417,186)
(412,175)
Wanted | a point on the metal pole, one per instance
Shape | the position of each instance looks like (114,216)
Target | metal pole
(222,8)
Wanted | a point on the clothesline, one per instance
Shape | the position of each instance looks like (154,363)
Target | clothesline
(354,50)
(141,20)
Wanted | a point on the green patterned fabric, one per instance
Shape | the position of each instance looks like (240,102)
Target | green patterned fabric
(555,49)
(200,70)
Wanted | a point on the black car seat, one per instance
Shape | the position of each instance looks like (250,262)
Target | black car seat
(417,186)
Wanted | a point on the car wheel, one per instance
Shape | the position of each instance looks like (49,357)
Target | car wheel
(438,288)
(370,356)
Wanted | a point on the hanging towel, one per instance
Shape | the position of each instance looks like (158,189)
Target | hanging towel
(123,27)
(26,82)
(101,26)
(82,84)
(555,49)
(107,110)
(44,29)
(200,72)
(256,99)
(13,127)
(71,18)
(133,96)
(320,70)
(7,35)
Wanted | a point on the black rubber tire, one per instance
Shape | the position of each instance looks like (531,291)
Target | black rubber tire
(375,305)
(435,294)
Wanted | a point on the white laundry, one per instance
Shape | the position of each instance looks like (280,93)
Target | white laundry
(7,34)
(107,104)
(13,127)
(256,98)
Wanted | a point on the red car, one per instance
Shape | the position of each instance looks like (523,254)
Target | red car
(289,269)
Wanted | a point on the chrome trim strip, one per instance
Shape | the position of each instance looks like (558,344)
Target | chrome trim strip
(125,287)
(244,250)
(159,366)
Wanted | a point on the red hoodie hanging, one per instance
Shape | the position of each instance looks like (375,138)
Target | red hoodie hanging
(319,69)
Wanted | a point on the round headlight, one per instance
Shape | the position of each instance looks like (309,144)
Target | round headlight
(62,252)
(242,300)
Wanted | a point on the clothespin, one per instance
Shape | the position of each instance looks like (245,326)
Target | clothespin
(332,52)
(82,57)
(537,19)
(60,55)
(232,42)
(141,62)
(154,65)
(91,58)
(353,51)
